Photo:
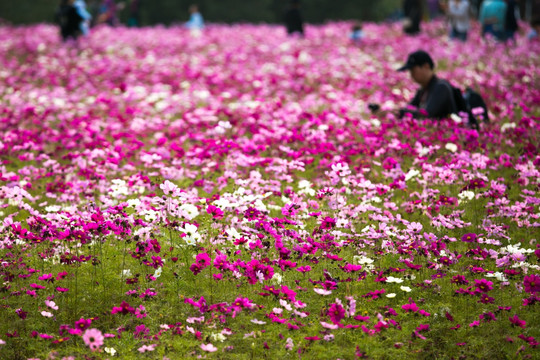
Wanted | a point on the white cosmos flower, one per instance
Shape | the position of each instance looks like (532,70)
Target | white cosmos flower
(392,279)
(189,211)
(466,195)
(405,288)
(134,203)
(276,279)
(412,173)
(451,147)
(391,295)
(192,236)
(218,337)
(362,260)
(109,350)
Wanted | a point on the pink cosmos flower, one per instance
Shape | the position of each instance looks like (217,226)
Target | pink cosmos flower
(146,348)
(483,285)
(531,283)
(209,347)
(516,321)
(328,223)
(411,307)
(329,326)
(322,291)
(93,338)
(469,237)
(336,312)
(51,304)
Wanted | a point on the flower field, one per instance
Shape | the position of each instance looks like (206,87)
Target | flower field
(230,196)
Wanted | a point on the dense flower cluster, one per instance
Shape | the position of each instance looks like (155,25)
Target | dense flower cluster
(231,194)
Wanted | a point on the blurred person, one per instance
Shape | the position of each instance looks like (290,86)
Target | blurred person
(433,9)
(534,33)
(293,19)
(134,10)
(357,34)
(80,6)
(108,13)
(435,97)
(492,18)
(412,10)
(195,22)
(458,16)
(511,20)
(69,20)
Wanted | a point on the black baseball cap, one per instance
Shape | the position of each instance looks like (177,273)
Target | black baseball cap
(417,58)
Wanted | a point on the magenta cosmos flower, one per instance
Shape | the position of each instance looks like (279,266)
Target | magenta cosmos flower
(531,283)
(336,312)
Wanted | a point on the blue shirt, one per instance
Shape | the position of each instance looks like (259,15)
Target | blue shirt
(493,12)
(195,22)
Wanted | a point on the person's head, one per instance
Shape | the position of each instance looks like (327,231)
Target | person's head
(420,66)
(294,3)
(357,26)
(194,8)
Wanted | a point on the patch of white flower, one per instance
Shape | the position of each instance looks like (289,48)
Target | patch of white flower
(304,187)
(118,188)
(497,275)
(391,279)
(507,126)
(276,279)
(451,147)
(466,196)
(412,173)
(53,208)
(218,337)
(189,211)
(192,235)
(150,215)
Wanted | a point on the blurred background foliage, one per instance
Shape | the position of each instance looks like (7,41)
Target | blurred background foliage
(217,11)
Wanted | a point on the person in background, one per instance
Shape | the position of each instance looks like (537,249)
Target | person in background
(107,13)
(435,97)
(69,20)
(458,16)
(195,22)
(433,9)
(534,33)
(412,10)
(80,6)
(511,20)
(134,8)
(492,18)
(293,19)
(357,34)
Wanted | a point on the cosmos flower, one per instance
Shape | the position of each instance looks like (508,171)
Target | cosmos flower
(93,338)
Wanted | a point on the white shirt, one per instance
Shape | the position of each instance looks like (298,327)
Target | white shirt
(458,12)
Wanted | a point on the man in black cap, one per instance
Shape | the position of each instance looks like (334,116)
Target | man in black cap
(435,98)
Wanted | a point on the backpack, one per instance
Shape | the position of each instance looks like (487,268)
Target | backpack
(465,103)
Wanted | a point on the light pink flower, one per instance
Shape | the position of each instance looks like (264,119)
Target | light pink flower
(146,348)
(208,347)
(93,338)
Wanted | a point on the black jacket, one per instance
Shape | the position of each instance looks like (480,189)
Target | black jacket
(69,21)
(437,99)
(294,21)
